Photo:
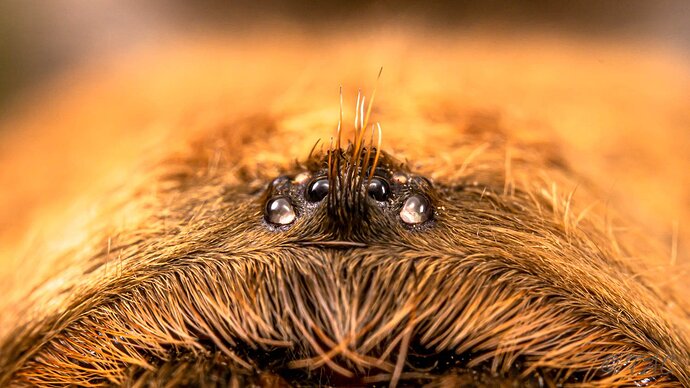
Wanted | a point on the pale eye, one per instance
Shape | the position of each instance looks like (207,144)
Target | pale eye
(378,189)
(416,210)
(318,190)
(280,211)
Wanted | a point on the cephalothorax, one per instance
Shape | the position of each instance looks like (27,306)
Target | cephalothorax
(352,269)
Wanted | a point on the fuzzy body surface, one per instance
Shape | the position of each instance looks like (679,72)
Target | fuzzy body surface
(142,250)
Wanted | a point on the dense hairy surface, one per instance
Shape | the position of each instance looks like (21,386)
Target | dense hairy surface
(176,278)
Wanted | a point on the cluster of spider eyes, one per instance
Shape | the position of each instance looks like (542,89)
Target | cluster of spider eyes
(415,210)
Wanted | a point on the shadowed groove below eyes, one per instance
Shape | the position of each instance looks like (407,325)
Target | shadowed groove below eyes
(333,244)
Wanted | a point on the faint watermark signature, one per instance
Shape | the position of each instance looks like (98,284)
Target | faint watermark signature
(639,364)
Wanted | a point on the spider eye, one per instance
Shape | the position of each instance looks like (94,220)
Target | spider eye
(318,190)
(280,211)
(416,210)
(378,189)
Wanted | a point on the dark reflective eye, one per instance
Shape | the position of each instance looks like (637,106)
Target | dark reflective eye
(317,190)
(378,189)
(280,211)
(416,210)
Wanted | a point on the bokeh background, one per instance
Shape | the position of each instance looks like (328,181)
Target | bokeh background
(41,39)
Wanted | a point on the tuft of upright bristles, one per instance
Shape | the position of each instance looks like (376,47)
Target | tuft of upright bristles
(350,170)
